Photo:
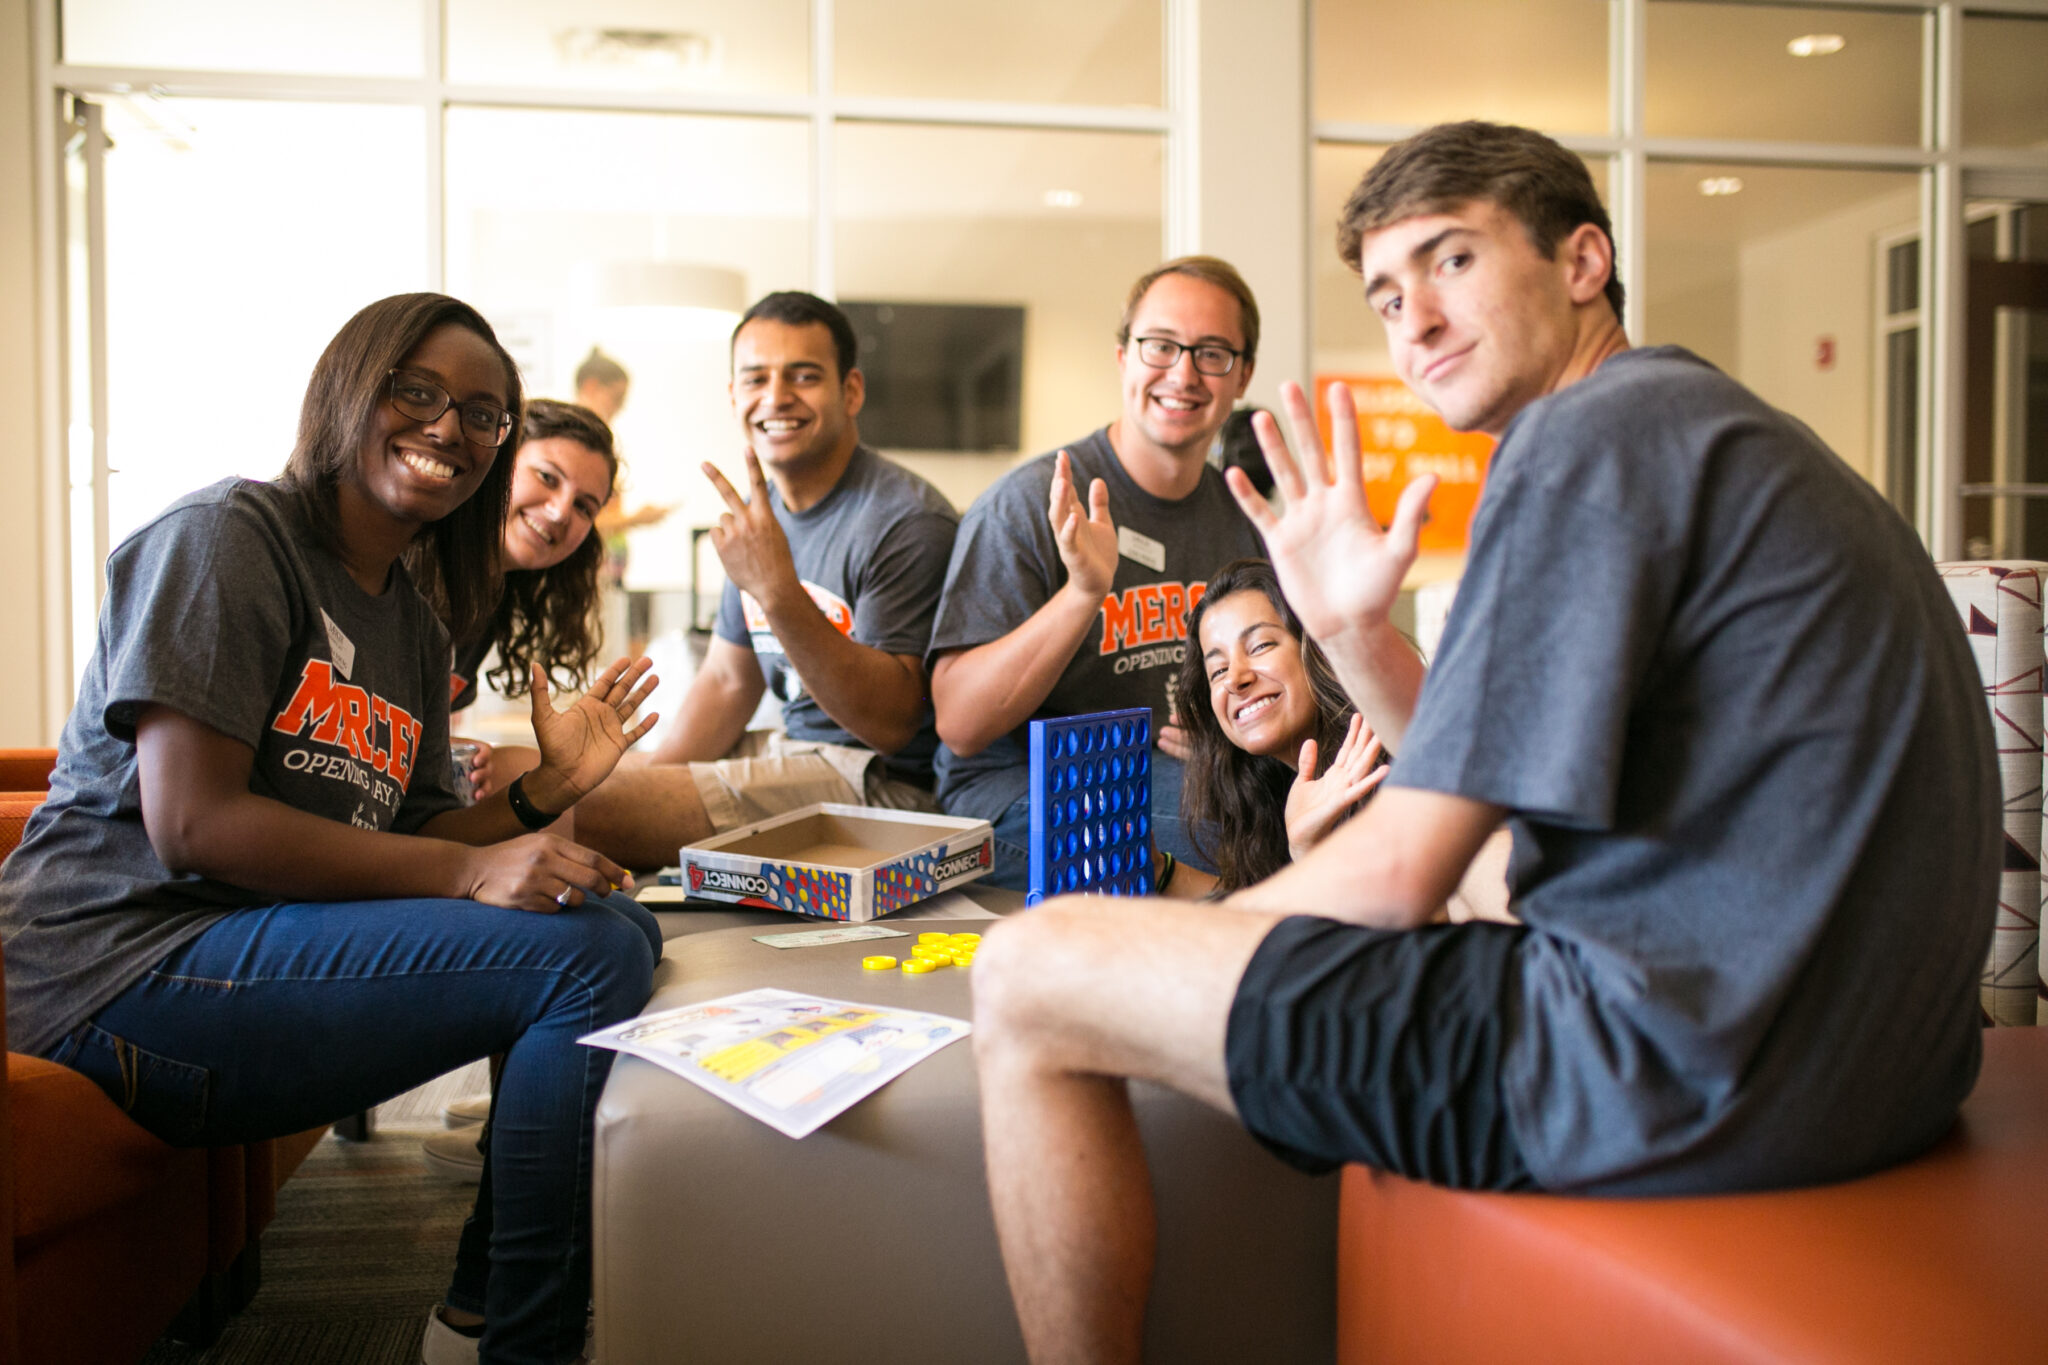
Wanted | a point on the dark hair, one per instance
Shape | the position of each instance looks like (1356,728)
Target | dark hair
(453,561)
(1241,449)
(551,615)
(1546,188)
(795,308)
(1233,803)
(599,368)
(1210,270)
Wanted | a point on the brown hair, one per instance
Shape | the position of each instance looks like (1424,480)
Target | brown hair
(1546,188)
(1233,803)
(1210,270)
(453,561)
(551,615)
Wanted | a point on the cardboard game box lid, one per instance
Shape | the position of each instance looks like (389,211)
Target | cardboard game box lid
(839,862)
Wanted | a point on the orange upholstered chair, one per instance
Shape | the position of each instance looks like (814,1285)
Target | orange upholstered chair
(1943,1258)
(113,1232)
(26,770)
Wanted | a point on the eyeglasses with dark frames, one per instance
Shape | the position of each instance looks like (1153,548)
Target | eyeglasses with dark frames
(483,424)
(1163,353)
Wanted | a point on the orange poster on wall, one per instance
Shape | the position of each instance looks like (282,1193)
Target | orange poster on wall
(1401,440)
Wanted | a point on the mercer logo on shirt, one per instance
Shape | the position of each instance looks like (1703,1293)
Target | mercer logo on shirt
(831,603)
(1152,614)
(368,728)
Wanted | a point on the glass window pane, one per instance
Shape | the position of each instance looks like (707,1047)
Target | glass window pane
(2005,387)
(1776,282)
(2005,90)
(1728,71)
(667,227)
(311,37)
(218,275)
(1539,62)
(1056,223)
(1048,52)
(761,47)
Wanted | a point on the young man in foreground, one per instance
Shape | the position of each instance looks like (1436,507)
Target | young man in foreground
(1713,685)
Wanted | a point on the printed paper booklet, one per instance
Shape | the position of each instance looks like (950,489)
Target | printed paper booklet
(793,1061)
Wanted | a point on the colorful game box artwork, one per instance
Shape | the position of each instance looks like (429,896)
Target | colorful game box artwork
(1091,805)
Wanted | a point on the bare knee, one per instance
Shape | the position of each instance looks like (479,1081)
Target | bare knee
(1021,958)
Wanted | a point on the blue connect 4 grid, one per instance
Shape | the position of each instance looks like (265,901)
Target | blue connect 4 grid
(1091,805)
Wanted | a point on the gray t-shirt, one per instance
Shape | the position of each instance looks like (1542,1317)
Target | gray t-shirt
(1754,799)
(872,554)
(1007,565)
(225,609)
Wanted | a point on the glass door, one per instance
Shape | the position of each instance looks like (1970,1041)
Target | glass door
(2005,443)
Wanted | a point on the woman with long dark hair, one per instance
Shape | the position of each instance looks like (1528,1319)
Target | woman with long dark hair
(253,903)
(1258,704)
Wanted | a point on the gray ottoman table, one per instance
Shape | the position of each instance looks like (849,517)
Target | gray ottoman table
(720,1240)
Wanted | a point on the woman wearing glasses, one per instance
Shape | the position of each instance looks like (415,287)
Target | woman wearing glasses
(253,903)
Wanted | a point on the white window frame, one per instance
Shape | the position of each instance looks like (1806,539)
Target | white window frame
(1942,161)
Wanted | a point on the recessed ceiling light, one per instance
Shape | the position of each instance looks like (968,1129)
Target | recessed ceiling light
(1716,185)
(1816,44)
(1063,199)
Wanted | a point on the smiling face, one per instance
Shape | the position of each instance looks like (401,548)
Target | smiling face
(414,472)
(787,393)
(1259,687)
(558,485)
(1179,410)
(1479,321)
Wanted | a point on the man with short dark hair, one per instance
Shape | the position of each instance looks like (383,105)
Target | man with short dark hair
(833,564)
(1712,684)
(1073,575)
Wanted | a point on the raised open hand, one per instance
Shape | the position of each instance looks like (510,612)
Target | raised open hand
(1086,538)
(1317,804)
(581,744)
(749,540)
(1340,571)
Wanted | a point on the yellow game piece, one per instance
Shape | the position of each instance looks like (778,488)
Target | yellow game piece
(933,950)
(963,959)
(964,938)
(918,966)
(878,963)
(933,938)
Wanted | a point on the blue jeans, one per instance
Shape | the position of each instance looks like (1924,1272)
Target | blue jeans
(278,1019)
(1013,828)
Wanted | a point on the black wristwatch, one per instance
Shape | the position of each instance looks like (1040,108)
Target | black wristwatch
(523,809)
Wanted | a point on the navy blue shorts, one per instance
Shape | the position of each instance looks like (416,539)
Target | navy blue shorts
(1354,1044)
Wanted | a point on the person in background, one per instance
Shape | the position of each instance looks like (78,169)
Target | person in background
(1073,575)
(253,903)
(1711,681)
(601,385)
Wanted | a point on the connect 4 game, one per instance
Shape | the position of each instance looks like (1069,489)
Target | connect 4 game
(1091,805)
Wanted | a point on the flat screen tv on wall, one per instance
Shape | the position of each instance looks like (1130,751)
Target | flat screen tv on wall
(940,376)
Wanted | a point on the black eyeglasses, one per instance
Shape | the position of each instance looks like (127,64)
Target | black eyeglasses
(1163,353)
(484,424)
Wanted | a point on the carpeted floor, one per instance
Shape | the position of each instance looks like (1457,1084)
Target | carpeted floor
(362,1245)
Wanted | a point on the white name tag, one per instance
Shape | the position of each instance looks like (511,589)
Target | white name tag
(1141,549)
(340,646)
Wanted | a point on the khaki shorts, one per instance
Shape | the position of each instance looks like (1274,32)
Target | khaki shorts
(768,773)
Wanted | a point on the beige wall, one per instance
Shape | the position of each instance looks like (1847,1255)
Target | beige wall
(1820,279)
(22,557)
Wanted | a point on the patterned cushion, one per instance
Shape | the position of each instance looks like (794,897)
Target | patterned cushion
(2000,605)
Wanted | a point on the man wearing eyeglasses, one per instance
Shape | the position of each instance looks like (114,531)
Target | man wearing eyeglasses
(1073,575)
